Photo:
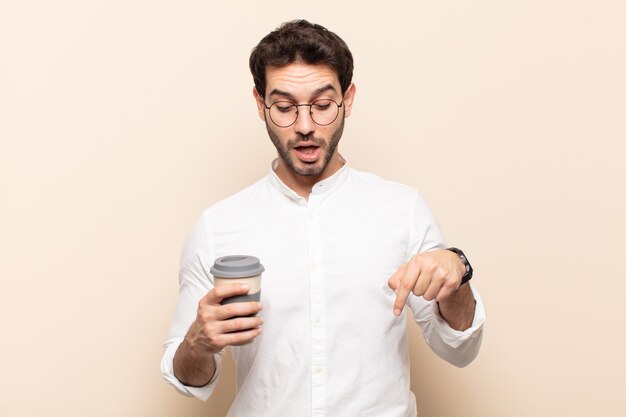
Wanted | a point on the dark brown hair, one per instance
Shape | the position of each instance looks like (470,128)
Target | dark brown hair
(301,41)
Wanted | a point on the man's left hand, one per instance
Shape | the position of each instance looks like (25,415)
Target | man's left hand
(435,275)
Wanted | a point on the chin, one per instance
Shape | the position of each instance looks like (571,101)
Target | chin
(309,170)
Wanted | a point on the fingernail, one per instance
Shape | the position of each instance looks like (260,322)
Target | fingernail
(397,311)
(245,287)
(259,305)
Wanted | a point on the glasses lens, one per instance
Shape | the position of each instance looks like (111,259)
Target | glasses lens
(324,112)
(283,113)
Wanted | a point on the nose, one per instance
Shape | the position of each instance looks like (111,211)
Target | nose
(304,123)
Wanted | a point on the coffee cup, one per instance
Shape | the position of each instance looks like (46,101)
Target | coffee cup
(239,269)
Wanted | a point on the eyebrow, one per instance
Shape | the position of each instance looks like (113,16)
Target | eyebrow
(277,92)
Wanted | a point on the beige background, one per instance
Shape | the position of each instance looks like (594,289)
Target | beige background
(121,120)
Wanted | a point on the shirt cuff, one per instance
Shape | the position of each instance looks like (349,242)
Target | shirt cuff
(167,370)
(456,338)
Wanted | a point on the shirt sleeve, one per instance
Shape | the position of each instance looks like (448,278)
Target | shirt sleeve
(456,347)
(195,281)
(459,348)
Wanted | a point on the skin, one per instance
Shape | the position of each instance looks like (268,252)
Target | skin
(212,331)
(434,275)
(302,84)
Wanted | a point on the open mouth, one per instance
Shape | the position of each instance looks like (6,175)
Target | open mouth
(307,152)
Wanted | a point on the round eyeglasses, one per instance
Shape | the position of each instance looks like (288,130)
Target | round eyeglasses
(285,113)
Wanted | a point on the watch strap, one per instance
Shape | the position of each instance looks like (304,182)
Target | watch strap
(469,271)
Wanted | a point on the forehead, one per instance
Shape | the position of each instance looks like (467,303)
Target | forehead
(301,80)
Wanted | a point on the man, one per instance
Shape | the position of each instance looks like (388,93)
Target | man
(343,252)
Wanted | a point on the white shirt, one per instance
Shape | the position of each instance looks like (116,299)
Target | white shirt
(331,345)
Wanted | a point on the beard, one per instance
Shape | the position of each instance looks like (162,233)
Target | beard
(298,167)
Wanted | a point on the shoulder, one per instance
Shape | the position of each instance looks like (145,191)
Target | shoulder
(375,185)
(224,217)
(244,199)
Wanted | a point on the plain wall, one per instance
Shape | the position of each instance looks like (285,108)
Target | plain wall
(120,121)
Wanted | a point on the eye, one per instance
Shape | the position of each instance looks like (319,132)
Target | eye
(284,106)
(322,105)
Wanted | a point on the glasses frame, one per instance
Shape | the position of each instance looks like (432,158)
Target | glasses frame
(309,105)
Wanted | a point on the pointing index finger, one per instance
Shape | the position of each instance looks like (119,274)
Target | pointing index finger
(395,279)
(405,286)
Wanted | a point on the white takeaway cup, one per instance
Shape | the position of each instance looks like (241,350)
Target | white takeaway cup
(239,269)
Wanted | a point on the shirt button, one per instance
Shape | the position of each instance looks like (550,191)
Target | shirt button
(313,266)
(317,319)
(317,370)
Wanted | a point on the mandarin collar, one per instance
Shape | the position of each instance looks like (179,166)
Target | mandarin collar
(321,187)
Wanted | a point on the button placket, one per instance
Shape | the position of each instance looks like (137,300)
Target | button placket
(318,330)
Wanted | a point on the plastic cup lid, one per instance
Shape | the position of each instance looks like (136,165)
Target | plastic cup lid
(237,266)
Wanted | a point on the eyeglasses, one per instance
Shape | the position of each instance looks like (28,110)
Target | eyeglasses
(285,113)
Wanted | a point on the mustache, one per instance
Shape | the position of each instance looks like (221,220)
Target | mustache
(306,138)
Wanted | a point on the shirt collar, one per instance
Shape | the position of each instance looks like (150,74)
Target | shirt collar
(324,186)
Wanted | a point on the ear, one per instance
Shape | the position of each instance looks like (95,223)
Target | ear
(348,99)
(260,103)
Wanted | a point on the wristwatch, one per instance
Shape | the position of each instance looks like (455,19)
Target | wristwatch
(469,271)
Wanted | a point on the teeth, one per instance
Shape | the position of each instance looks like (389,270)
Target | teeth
(306,149)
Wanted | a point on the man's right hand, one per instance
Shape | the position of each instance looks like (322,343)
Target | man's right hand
(216,326)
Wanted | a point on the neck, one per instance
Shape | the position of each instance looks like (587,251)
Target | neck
(303,184)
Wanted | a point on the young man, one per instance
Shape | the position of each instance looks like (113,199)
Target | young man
(343,252)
